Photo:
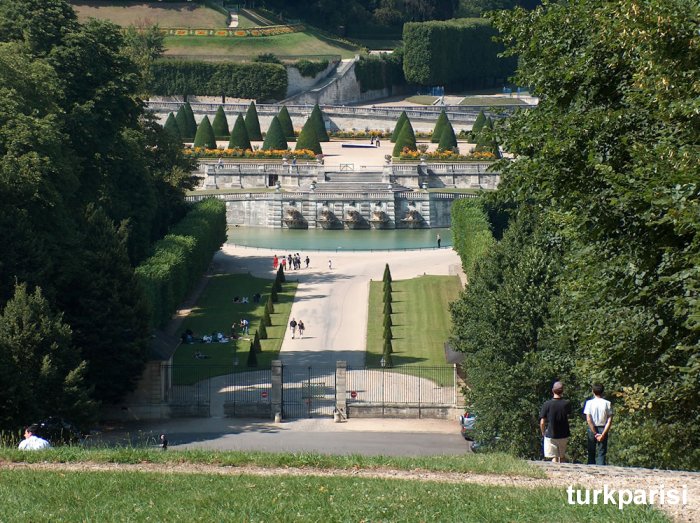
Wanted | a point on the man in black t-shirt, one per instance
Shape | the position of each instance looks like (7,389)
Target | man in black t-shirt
(554,424)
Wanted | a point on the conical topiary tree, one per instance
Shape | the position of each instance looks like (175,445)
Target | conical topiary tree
(387,286)
(448,140)
(387,295)
(387,320)
(220,124)
(273,295)
(478,125)
(252,358)
(387,273)
(274,139)
(269,307)
(191,122)
(280,273)
(205,135)
(256,342)
(308,139)
(286,123)
(316,118)
(388,334)
(182,125)
(406,139)
(239,135)
(172,128)
(387,308)
(266,319)
(399,125)
(439,127)
(388,349)
(252,123)
(262,329)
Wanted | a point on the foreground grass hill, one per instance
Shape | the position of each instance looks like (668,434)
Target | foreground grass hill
(78,484)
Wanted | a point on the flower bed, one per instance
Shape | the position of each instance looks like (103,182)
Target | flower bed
(270,30)
(445,156)
(201,152)
(359,135)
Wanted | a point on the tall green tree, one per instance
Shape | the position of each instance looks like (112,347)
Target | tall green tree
(42,371)
(252,123)
(144,44)
(274,139)
(220,124)
(611,158)
(239,135)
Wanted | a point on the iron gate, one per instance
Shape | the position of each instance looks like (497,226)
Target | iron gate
(308,392)
(248,394)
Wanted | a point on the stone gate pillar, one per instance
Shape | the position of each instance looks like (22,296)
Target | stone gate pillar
(276,394)
(341,387)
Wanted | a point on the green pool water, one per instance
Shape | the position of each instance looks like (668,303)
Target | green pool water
(346,240)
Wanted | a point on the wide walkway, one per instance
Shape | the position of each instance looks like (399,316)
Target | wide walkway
(332,301)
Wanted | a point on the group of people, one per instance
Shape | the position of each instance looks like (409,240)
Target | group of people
(296,327)
(374,141)
(291,261)
(554,425)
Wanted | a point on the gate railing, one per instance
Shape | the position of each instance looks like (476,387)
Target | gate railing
(295,392)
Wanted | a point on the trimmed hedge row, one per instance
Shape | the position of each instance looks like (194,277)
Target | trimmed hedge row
(380,72)
(455,53)
(260,81)
(471,232)
(181,257)
(309,69)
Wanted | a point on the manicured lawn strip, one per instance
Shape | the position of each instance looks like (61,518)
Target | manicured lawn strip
(421,320)
(216,312)
(492,101)
(30,495)
(492,463)
(422,99)
(303,43)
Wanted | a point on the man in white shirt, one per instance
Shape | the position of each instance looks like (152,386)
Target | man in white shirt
(32,442)
(599,419)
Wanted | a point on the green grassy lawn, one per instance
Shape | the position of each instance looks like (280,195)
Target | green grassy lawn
(422,99)
(378,45)
(216,312)
(492,100)
(420,317)
(155,496)
(307,43)
(165,14)
(492,463)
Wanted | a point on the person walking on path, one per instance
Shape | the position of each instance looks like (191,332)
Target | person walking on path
(307,262)
(439,240)
(293,326)
(599,415)
(300,327)
(32,441)
(554,424)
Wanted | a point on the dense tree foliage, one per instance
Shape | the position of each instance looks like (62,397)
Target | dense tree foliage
(610,161)
(383,71)
(87,182)
(456,53)
(260,81)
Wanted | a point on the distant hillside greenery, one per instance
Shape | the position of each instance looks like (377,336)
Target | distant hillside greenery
(596,278)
